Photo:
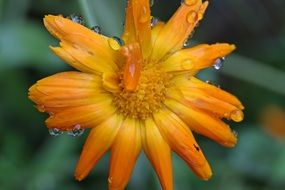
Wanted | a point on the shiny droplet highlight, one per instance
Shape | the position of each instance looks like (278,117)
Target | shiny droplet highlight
(77,19)
(55,132)
(76,131)
(192,17)
(189,2)
(115,43)
(237,115)
(218,64)
(96,29)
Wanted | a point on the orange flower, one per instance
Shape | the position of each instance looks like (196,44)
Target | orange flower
(138,95)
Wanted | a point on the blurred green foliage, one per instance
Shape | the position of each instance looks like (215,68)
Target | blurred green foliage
(31,159)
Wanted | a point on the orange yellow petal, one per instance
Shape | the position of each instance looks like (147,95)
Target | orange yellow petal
(203,123)
(181,140)
(137,25)
(158,152)
(98,142)
(124,153)
(196,58)
(177,29)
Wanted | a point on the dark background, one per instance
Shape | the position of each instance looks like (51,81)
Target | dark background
(31,159)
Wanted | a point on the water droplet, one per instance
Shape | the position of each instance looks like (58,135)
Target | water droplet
(76,131)
(96,29)
(77,19)
(192,17)
(110,179)
(55,132)
(144,16)
(237,115)
(186,43)
(218,64)
(115,43)
(154,21)
(187,64)
(151,2)
(41,108)
(189,2)
(235,133)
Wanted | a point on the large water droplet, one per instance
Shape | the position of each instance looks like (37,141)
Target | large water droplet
(96,29)
(189,2)
(219,63)
(192,17)
(55,132)
(77,19)
(115,43)
(76,131)
(154,21)
(237,115)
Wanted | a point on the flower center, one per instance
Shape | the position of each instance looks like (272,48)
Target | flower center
(148,96)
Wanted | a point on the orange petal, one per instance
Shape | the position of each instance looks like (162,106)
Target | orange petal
(159,153)
(196,58)
(124,153)
(133,66)
(82,39)
(203,123)
(98,142)
(173,35)
(192,83)
(199,99)
(181,140)
(72,94)
(137,25)
(155,31)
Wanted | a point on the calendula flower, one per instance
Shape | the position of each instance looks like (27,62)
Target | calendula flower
(140,95)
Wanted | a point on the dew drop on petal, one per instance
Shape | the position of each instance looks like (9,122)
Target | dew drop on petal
(110,179)
(235,133)
(218,64)
(96,29)
(76,131)
(212,83)
(55,132)
(77,19)
(186,43)
(154,21)
(144,16)
(115,43)
(192,17)
(237,115)
(189,2)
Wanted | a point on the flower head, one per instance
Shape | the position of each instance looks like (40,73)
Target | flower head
(140,95)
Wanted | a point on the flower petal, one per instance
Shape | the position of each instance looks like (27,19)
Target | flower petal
(192,83)
(98,142)
(159,154)
(124,153)
(181,140)
(177,29)
(203,123)
(196,58)
(81,39)
(137,25)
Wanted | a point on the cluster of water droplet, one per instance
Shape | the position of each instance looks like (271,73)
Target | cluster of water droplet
(75,132)
(77,19)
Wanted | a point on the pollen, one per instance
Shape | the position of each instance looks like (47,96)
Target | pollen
(148,96)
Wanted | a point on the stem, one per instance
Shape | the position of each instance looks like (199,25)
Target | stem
(86,9)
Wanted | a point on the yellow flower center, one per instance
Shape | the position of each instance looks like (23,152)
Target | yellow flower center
(148,96)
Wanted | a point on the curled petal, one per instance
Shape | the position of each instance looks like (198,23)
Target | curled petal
(137,25)
(124,153)
(178,28)
(159,153)
(196,58)
(181,140)
(98,142)
(204,123)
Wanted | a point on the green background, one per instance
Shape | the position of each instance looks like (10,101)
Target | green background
(31,159)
